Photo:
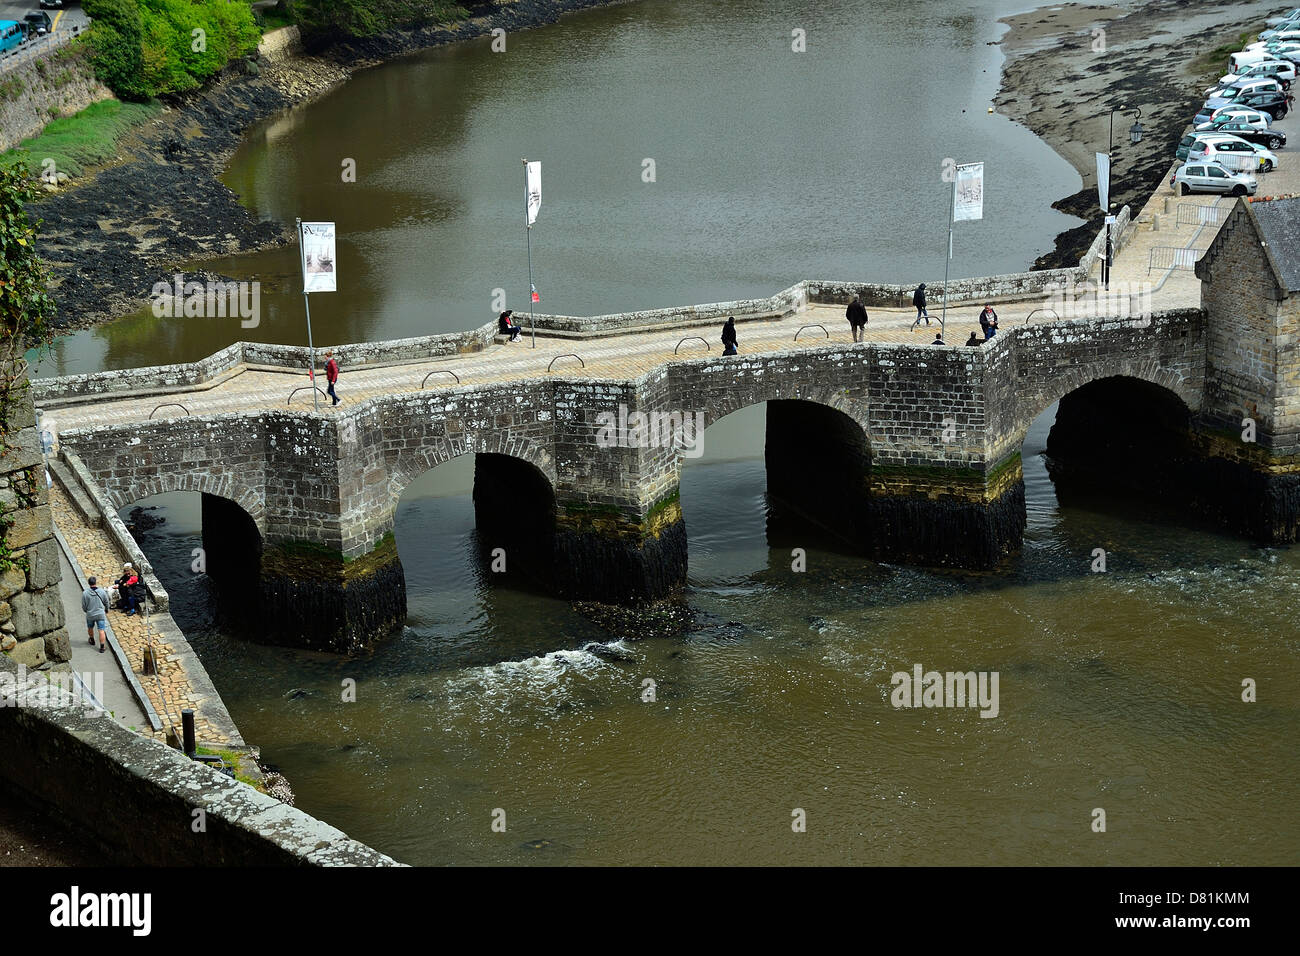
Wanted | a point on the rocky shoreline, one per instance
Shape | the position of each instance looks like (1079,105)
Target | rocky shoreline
(109,236)
(1068,66)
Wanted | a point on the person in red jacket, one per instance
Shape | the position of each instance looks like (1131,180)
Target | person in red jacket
(331,375)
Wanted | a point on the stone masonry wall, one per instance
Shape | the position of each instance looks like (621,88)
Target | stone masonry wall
(32,626)
(59,83)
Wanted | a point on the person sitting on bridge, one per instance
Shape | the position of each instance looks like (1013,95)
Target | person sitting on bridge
(125,587)
(856,313)
(974,339)
(506,327)
(729,336)
(989,322)
(938,339)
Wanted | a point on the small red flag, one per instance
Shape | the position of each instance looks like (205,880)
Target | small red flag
(536,297)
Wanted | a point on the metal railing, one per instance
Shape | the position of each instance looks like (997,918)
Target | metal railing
(304,388)
(440,371)
(566,355)
(691,338)
(39,46)
(1055,314)
(802,327)
(1194,214)
(169,405)
(1172,257)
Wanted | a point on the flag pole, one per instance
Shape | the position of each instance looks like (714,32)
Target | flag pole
(528,231)
(306,301)
(952,211)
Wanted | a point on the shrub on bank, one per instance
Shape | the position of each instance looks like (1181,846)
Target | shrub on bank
(325,20)
(146,48)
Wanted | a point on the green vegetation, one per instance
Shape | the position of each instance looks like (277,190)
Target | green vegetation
(232,760)
(25,312)
(332,19)
(81,140)
(1216,61)
(280,15)
(147,48)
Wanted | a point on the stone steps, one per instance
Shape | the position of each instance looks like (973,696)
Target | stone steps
(77,495)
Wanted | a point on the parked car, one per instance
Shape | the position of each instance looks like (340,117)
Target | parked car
(1291,33)
(1231,90)
(1212,178)
(1232,152)
(38,23)
(1272,138)
(1271,51)
(51,4)
(1275,103)
(1281,70)
(1292,14)
(1239,114)
(1280,28)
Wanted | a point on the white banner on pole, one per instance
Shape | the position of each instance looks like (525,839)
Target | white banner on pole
(1103,181)
(319,259)
(533,190)
(969,201)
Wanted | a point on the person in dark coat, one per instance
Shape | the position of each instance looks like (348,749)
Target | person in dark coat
(918,300)
(974,339)
(989,322)
(729,336)
(856,313)
(506,327)
(938,339)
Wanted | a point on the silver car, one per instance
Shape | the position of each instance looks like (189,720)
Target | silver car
(1206,177)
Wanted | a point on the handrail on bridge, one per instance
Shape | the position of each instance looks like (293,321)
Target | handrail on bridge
(443,371)
(168,405)
(816,326)
(566,355)
(690,337)
(1036,311)
(304,388)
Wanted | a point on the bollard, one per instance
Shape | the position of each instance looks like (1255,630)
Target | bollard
(187,728)
(1167,202)
(150,660)
(1155,222)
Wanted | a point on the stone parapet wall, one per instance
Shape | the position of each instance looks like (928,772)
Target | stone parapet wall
(32,625)
(58,756)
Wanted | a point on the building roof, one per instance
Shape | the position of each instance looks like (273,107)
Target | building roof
(1278,223)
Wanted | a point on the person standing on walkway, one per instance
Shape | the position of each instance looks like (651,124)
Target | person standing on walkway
(729,336)
(331,375)
(918,300)
(856,313)
(989,322)
(94,603)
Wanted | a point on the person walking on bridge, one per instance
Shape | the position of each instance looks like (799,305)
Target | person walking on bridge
(331,375)
(94,603)
(856,313)
(918,300)
(729,336)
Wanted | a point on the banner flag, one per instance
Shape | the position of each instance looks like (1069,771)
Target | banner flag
(533,190)
(318,257)
(969,203)
(1103,181)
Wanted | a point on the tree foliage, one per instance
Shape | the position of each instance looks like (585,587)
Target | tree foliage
(146,48)
(340,19)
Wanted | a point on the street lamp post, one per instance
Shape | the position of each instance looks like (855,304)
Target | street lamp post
(1135,137)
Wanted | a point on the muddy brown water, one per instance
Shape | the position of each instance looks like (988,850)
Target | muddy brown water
(1118,690)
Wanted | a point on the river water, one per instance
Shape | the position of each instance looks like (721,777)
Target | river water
(770,167)
(1118,690)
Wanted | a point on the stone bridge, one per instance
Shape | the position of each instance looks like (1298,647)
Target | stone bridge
(908,451)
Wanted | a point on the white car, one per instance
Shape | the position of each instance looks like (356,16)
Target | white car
(1292,14)
(1212,178)
(1247,58)
(1278,28)
(1280,37)
(1231,152)
(1252,85)
(1240,114)
(1281,70)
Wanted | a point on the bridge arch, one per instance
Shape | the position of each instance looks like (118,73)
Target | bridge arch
(127,491)
(1058,384)
(501,442)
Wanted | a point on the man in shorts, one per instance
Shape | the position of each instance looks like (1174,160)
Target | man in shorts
(94,602)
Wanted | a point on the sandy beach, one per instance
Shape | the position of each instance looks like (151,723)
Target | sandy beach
(1068,65)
